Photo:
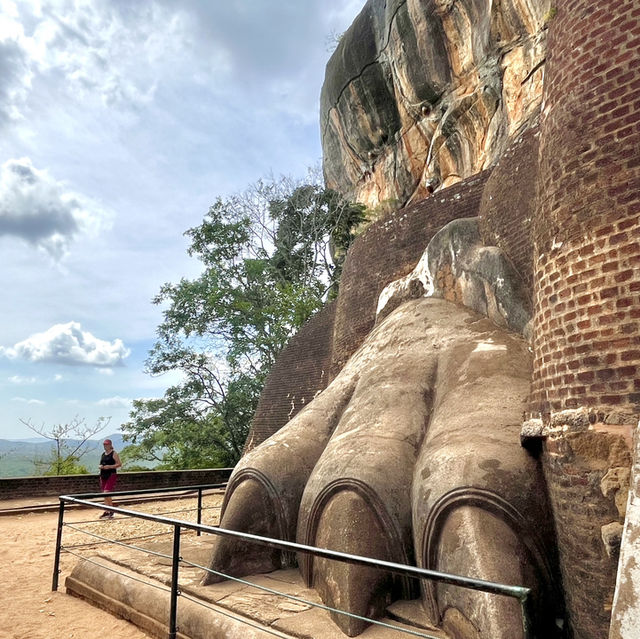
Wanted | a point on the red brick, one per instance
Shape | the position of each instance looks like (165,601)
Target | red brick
(624,275)
(609,292)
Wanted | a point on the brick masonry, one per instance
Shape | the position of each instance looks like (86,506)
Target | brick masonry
(299,374)
(564,204)
(587,226)
(389,249)
(586,231)
(508,203)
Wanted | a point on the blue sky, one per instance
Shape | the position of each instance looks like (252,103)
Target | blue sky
(120,123)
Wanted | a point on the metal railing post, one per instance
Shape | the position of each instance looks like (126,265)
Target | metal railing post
(199,509)
(56,563)
(526,603)
(175,591)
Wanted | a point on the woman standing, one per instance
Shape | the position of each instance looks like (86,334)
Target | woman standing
(109,462)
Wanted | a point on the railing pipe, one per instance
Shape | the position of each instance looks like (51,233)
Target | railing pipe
(56,563)
(175,591)
(199,510)
(149,491)
(518,592)
(68,498)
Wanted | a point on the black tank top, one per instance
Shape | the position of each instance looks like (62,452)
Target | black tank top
(107,460)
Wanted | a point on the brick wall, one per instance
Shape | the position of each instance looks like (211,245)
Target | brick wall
(300,372)
(508,203)
(587,226)
(389,249)
(586,287)
(29,487)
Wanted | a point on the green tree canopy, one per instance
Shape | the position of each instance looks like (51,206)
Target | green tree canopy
(271,257)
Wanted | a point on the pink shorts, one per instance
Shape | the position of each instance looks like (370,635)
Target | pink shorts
(108,484)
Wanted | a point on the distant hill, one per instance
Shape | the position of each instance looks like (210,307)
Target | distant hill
(18,456)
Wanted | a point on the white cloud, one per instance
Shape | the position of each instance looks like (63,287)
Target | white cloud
(68,344)
(15,79)
(115,402)
(121,53)
(90,49)
(24,400)
(151,109)
(41,210)
(18,379)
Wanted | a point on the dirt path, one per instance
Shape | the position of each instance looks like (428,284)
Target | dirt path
(28,607)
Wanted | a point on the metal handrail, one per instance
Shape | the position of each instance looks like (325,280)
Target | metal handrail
(521,593)
(147,491)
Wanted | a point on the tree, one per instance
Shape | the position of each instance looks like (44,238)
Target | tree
(69,445)
(271,257)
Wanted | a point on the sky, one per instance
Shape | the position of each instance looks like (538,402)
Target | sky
(120,124)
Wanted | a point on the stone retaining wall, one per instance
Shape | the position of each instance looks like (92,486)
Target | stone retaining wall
(30,487)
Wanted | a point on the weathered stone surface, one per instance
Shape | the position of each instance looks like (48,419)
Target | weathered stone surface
(390,249)
(611,538)
(578,455)
(625,616)
(616,483)
(382,464)
(457,266)
(532,429)
(420,94)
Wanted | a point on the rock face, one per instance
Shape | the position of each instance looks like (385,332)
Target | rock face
(420,94)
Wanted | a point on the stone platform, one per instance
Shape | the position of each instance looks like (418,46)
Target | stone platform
(134,586)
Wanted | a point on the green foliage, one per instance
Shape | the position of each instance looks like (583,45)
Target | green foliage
(185,429)
(64,466)
(314,230)
(384,208)
(271,256)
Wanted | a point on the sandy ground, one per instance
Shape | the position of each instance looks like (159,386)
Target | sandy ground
(28,607)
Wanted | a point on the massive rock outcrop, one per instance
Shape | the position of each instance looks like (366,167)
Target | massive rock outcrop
(420,94)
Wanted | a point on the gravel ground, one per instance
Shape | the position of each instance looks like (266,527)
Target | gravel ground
(124,527)
(30,609)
